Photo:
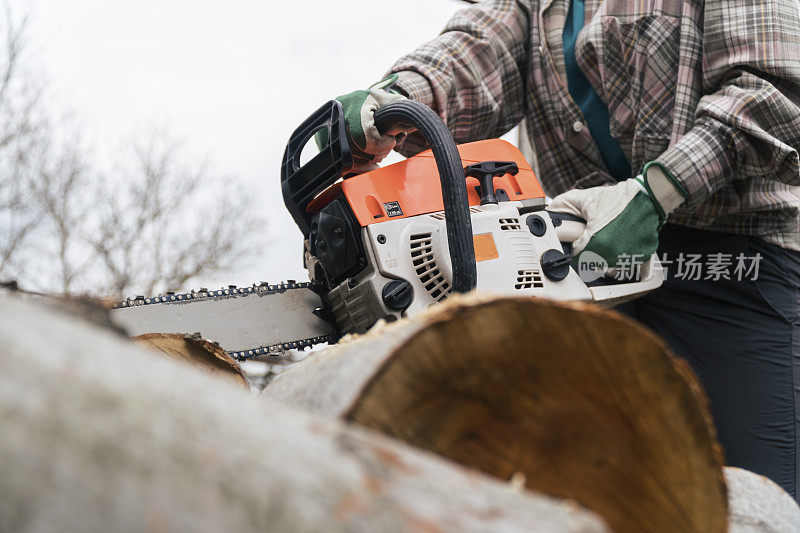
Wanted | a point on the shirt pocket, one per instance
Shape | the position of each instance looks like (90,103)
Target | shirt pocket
(631,56)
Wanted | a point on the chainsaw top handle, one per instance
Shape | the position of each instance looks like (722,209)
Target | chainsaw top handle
(451,175)
(301,184)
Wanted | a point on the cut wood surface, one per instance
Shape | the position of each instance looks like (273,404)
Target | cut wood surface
(577,401)
(195,351)
(101,435)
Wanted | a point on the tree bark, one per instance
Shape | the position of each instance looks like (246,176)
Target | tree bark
(579,402)
(101,435)
(758,505)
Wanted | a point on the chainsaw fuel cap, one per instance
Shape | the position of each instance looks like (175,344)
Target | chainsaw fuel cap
(555,264)
(397,295)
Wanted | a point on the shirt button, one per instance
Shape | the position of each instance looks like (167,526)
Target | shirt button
(577,127)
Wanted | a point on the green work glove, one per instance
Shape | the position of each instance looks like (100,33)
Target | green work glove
(623,220)
(369,147)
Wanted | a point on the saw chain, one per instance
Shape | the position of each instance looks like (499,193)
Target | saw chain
(262,288)
(280,348)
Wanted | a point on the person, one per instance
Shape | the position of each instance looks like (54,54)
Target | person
(669,125)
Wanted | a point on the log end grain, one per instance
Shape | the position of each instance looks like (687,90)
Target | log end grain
(581,402)
(195,351)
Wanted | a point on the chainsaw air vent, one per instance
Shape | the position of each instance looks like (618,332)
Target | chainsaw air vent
(509,224)
(528,279)
(440,214)
(421,247)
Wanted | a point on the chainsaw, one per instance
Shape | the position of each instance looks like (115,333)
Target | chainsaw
(389,243)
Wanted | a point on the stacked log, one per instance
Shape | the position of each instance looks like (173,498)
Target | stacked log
(758,505)
(573,401)
(101,435)
(194,350)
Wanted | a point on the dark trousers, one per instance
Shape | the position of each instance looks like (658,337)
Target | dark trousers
(741,337)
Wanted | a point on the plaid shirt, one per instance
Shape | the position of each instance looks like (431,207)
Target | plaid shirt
(711,90)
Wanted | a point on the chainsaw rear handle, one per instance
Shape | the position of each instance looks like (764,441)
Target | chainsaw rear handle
(300,184)
(451,175)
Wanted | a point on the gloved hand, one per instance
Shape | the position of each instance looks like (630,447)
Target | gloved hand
(369,147)
(623,219)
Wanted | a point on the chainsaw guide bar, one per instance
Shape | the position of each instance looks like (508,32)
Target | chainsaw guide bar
(262,319)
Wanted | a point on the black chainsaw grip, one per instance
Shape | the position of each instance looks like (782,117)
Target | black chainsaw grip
(451,174)
(300,184)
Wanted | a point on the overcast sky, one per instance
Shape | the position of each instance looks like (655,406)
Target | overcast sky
(233,82)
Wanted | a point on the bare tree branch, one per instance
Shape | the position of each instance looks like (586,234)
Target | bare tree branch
(164,228)
(59,186)
(66,226)
(19,103)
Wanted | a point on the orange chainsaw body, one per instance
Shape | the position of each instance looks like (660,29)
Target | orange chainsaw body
(411,187)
